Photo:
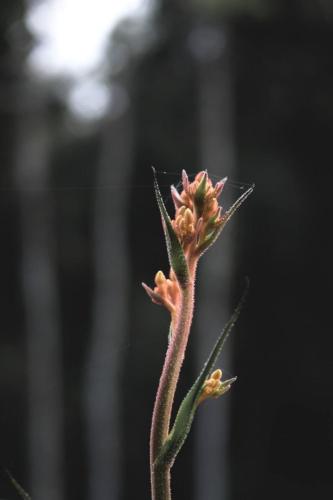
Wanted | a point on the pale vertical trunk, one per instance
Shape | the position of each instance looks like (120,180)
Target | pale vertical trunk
(217,156)
(40,297)
(110,311)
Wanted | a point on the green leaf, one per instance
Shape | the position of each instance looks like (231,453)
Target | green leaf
(188,407)
(175,251)
(23,494)
(208,242)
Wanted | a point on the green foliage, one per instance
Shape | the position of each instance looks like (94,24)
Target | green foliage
(21,492)
(175,252)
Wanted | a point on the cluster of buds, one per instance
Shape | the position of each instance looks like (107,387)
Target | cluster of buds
(198,218)
(197,223)
(214,387)
(166,291)
(184,224)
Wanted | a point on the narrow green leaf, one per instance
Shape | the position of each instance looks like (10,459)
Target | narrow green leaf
(229,213)
(175,251)
(23,494)
(187,409)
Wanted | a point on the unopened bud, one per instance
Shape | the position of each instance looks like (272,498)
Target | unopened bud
(219,186)
(176,197)
(217,374)
(188,217)
(160,279)
(185,180)
(179,214)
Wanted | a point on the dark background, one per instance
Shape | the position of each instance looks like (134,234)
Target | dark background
(80,345)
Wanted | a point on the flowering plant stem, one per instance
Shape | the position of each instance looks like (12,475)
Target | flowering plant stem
(198,222)
(160,473)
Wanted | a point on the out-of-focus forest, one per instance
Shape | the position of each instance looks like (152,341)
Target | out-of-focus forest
(242,88)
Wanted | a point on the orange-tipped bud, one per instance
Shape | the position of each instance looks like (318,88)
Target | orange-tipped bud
(160,279)
(188,217)
(217,374)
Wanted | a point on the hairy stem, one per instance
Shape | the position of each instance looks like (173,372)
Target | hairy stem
(160,482)
(160,476)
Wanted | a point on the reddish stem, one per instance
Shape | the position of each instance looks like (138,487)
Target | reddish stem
(160,476)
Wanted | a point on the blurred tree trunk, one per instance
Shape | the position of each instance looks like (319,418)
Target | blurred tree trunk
(217,156)
(40,296)
(111,310)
